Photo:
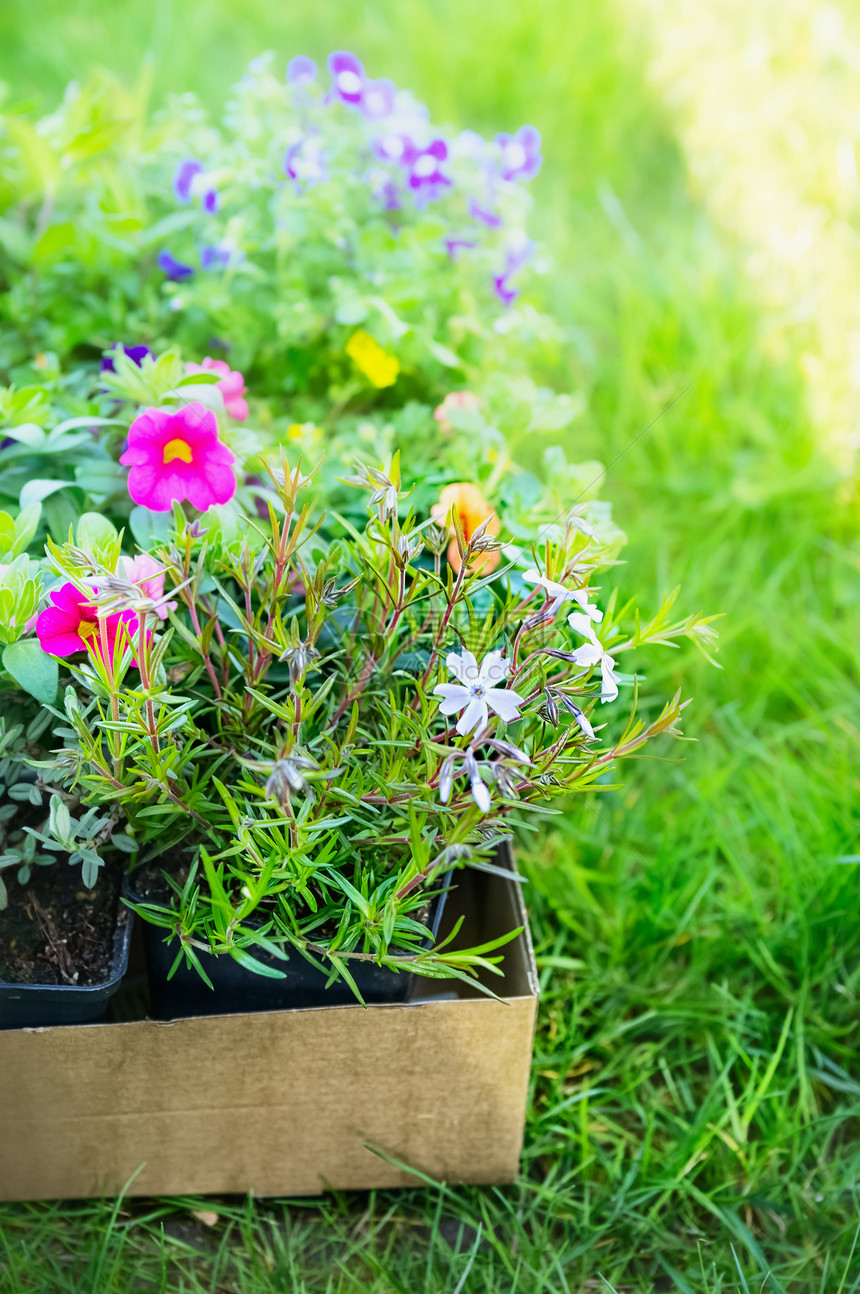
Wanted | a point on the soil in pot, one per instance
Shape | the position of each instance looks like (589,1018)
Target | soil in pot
(63,948)
(237,990)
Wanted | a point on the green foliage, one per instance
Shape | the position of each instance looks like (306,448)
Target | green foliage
(21,794)
(32,670)
(286,270)
(280,740)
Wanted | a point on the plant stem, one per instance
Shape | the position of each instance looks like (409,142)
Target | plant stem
(116,739)
(207,659)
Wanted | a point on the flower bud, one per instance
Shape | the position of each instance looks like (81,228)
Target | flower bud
(446,779)
(549,709)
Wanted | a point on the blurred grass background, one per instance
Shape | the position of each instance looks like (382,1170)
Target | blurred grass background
(694,1125)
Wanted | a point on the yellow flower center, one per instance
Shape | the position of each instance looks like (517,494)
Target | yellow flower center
(177,449)
(88,629)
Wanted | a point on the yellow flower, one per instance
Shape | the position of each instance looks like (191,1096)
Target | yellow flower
(304,431)
(375,363)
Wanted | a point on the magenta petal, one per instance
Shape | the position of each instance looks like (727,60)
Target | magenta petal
(135,456)
(68,599)
(343,61)
(147,428)
(153,489)
(217,484)
(156,484)
(58,633)
(237,408)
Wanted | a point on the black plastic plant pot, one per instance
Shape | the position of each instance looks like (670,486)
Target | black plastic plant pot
(236,990)
(32,1006)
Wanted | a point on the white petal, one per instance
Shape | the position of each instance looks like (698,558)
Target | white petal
(590,654)
(556,591)
(609,690)
(481,795)
(584,725)
(493,668)
(505,702)
(581,597)
(474,716)
(454,697)
(463,666)
(582,625)
(446,780)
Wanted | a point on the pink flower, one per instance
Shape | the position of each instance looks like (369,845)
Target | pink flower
(148,575)
(231,386)
(71,624)
(176,456)
(454,400)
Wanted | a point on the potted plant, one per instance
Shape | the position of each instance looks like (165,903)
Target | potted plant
(307,728)
(63,939)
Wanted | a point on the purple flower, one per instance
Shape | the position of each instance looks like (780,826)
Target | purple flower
(173,268)
(347,74)
(390,197)
(425,174)
(453,246)
(190,181)
(185,175)
(517,255)
(301,70)
(220,255)
(470,144)
(485,215)
(394,148)
(384,189)
(377,98)
(521,155)
(303,162)
(136,353)
(506,294)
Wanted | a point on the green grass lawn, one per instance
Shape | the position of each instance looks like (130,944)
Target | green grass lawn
(696,1090)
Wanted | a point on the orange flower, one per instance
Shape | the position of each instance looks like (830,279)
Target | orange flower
(471,508)
(453,400)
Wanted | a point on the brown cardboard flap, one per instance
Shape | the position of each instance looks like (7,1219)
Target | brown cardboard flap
(281,1103)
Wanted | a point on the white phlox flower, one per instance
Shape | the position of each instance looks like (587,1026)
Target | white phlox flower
(476,692)
(559,594)
(592,653)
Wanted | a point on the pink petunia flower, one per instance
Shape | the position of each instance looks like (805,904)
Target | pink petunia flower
(231,385)
(148,575)
(454,400)
(71,624)
(177,455)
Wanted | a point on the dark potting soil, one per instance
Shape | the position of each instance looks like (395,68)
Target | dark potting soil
(55,931)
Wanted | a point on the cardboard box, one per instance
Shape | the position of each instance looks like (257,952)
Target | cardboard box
(287,1102)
